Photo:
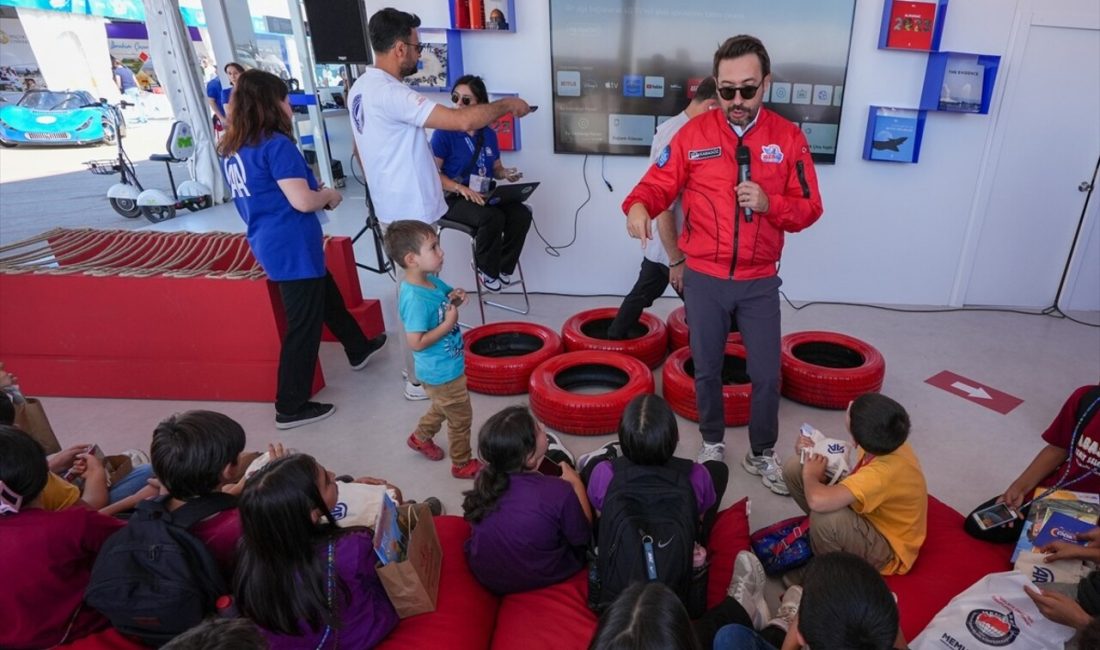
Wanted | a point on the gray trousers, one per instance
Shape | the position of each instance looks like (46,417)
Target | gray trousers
(709,302)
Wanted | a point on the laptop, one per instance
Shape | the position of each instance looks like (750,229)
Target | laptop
(512,193)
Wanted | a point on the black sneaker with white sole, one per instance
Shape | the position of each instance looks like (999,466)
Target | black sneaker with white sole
(308,414)
(373,345)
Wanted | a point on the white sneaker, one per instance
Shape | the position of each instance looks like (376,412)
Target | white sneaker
(768,468)
(137,457)
(414,392)
(711,451)
(489,282)
(788,608)
(610,451)
(747,588)
(506,279)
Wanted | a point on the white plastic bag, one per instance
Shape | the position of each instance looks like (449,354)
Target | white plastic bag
(994,612)
(835,452)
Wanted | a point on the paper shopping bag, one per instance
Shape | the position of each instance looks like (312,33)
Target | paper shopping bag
(31,417)
(412,583)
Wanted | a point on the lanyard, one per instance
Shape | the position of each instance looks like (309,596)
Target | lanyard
(1062,483)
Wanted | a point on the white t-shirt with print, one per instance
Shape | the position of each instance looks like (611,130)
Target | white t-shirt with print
(387,121)
(655,251)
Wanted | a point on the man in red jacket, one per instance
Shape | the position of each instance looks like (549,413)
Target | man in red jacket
(732,238)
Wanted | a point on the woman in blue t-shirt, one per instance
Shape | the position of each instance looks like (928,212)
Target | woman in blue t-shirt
(279,199)
(469,164)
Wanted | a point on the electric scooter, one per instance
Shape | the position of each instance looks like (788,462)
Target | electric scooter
(131,200)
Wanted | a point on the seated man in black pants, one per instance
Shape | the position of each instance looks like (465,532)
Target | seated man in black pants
(663,264)
(469,165)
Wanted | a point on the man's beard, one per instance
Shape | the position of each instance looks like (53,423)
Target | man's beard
(409,69)
(747,116)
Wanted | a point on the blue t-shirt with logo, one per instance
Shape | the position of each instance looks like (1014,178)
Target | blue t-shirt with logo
(214,91)
(287,243)
(456,149)
(422,310)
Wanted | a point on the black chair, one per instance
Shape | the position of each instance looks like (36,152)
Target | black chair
(482,299)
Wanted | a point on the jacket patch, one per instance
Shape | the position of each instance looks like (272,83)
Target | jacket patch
(704,154)
(771,153)
(662,159)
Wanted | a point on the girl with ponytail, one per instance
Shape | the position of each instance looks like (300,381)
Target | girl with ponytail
(529,530)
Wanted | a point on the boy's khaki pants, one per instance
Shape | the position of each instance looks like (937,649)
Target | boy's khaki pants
(841,530)
(450,402)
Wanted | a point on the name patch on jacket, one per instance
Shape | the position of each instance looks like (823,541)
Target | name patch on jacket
(771,153)
(704,154)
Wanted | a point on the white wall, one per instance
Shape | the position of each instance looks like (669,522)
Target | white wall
(891,233)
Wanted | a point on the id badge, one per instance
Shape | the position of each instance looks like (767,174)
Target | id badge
(479,184)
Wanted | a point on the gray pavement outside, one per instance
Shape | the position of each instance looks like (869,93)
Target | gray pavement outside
(49,187)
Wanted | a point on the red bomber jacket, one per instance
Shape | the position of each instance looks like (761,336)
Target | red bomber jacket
(700,166)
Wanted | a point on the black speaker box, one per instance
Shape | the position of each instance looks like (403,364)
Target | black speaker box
(338,31)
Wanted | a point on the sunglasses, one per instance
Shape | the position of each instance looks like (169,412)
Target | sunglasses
(729,92)
(419,46)
(465,100)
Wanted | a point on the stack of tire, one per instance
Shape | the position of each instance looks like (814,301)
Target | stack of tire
(678,330)
(500,357)
(678,379)
(646,341)
(828,369)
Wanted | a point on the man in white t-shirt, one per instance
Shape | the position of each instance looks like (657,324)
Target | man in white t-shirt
(388,122)
(662,265)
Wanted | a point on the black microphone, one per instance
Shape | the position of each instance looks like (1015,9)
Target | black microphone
(743,159)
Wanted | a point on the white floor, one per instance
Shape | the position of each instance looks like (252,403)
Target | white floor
(969,453)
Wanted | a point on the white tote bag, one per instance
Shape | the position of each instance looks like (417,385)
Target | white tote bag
(994,612)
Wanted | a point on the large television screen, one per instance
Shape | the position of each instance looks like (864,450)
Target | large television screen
(621,67)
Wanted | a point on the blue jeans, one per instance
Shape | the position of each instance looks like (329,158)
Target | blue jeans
(131,483)
(739,637)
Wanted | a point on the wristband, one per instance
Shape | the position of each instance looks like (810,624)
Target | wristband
(675,264)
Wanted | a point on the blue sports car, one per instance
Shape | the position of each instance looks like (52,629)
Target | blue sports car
(47,117)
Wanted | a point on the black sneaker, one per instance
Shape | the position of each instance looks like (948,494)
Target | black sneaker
(308,414)
(373,345)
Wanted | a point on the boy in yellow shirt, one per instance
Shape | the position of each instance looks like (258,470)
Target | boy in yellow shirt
(879,511)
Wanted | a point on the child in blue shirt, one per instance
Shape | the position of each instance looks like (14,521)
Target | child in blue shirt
(278,198)
(429,311)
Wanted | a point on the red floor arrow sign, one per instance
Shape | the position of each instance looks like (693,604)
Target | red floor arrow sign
(975,391)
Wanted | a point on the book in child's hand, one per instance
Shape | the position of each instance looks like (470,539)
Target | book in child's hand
(1061,527)
(389,541)
(1083,506)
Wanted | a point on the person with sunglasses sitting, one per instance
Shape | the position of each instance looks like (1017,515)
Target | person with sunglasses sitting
(749,179)
(469,166)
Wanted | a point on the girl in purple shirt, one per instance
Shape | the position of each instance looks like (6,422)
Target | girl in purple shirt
(303,581)
(528,530)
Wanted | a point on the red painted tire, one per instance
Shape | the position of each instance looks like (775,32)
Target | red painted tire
(588,331)
(678,335)
(554,403)
(500,357)
(828,369)
(678,380)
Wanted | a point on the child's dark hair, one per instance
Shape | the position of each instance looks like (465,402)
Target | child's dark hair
(280,577)
(190,450)
(879,424)
(7,409)
(645,616)
(846,605)
(648,431)
(23,466)
(504,442)
(220,634)
(406,236)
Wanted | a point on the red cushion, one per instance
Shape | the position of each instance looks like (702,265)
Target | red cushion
(524,616)
(108,639)
(551,618)
(949,562)
(465,612)
(729,537)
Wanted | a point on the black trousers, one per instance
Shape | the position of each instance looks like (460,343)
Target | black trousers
(501,231)
(310,304)
(651,284)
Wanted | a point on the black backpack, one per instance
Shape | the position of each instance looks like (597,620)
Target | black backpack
(648,511)
(153,579)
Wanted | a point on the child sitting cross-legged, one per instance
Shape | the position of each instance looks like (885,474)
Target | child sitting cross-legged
(305,582)
(879,511)
(429,311)
(46,556)
(529,530)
